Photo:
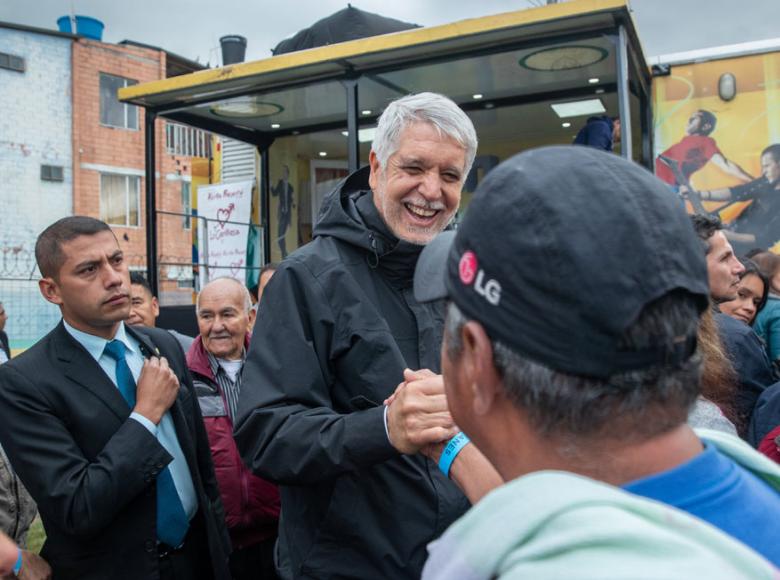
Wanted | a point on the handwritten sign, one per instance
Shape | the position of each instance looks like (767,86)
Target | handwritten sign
(223,233)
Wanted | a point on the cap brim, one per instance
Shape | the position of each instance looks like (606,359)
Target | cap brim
(430,273)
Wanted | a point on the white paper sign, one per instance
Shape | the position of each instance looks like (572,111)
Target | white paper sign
(221,237)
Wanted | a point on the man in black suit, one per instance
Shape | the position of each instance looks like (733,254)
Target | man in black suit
(100,422)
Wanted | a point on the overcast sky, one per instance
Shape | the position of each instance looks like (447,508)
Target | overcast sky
(192,28)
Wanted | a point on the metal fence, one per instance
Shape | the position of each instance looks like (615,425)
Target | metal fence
(29,316)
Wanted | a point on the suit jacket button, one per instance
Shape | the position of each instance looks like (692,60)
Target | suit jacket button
(160,466)
(149,545)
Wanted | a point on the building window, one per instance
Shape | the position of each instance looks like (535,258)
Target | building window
(11,62)
(120,199)
(187,141)
(186,204)
(113,113)
(52,173)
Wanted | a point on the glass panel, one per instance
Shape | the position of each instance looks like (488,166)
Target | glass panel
(134,200)
(558,67)
(112,112)
(186,203)
(113,199)
(303,170)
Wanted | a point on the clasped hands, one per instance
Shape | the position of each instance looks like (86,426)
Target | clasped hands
(418,419)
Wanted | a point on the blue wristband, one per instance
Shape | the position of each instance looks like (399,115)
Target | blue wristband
(451,450)
(18,565)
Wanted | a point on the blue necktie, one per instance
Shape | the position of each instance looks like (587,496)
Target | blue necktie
(172,522)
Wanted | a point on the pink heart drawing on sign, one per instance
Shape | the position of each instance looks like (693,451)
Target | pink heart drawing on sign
(235,267)
(223,214)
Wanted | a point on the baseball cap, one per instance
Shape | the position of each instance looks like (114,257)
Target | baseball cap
(560,250)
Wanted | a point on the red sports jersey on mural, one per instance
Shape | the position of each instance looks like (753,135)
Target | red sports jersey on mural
(692,152)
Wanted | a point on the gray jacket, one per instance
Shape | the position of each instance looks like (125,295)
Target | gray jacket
(17,508)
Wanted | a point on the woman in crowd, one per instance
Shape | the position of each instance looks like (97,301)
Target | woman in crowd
(767,324)
(751,295)
(715,407)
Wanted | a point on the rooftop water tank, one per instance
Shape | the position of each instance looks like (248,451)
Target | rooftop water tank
(233,49)
(86,26)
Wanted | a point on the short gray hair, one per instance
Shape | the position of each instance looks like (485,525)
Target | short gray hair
(634,405)
(247,297)
(441,112)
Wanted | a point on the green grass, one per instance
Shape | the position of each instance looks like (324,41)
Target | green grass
(36,536)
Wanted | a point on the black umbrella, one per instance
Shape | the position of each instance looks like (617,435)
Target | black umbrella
(347,24)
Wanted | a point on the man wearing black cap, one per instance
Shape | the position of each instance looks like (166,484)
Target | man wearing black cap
(567,387)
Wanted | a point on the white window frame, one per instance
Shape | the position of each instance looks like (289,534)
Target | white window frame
(126,106)
(127,179)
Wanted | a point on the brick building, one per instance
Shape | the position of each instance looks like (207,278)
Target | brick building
(108,160)
(68,146)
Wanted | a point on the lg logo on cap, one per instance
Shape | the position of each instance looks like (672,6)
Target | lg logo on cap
(470,273)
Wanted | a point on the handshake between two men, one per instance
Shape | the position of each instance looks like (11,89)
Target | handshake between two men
(419,421)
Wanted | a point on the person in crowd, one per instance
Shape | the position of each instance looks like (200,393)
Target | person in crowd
(266,273)
(743,347)
(337,331)
(17,511)
(215,360)
(100,422)
(678,163)
(601,132)
(5,349)
(767,323)
(715,408)
(575,407)
(759,223)
(752,292)
(21,564)
(764,431)
(145,308)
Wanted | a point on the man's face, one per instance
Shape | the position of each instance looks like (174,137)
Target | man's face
(92,287)
(3,317)
(418,192)
(616,131)
(770,168)
(695,124)
(145,309)
(223,320)
(723,268)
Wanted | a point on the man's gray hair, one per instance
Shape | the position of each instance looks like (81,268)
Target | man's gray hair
(441,112)
(634,405)
(247,297)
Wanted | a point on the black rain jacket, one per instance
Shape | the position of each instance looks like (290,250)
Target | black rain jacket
(336,328)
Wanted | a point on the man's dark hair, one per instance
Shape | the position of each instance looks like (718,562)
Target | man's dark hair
(774,151)
(707,118)
(48,247)
(140,279)
(706,226)
(634,405)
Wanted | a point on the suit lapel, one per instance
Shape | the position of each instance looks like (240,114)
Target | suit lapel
(81,368)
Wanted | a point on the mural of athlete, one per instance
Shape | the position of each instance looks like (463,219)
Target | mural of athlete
(284,191)
(679,162)
(759,224)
